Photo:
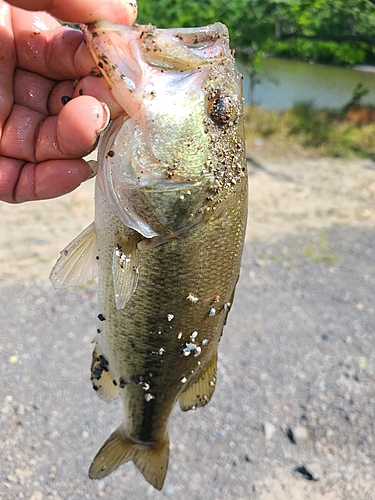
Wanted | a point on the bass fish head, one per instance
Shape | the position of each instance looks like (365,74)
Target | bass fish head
(177,151)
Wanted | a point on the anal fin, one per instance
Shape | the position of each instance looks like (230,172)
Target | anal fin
(151,460)
(102,379)
(200,392)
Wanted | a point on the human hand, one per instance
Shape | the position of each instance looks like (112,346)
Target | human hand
(42,141)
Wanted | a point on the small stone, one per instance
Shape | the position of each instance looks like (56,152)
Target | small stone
(315,470)
(348,474)
(322,385)
(170,489)
(101,485)
(298,435)
(37,495)
(304,472)
(23,473)
(192,298)
(20,410)
(269,430)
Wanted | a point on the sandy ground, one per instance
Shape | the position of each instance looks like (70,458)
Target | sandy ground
(293,414)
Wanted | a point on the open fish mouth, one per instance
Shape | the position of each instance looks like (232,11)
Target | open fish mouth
(133,48)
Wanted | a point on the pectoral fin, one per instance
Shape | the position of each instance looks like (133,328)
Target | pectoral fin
(125,268)
(152,461)
(200,392)
(103,380)
(78,261)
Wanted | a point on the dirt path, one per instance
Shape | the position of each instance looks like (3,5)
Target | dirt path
(293,413)
(309,193)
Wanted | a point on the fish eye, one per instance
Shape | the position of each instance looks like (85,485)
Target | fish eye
(220,109)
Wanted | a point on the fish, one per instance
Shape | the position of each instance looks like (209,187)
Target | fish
(169,228)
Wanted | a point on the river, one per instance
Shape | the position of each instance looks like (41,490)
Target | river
(285,82)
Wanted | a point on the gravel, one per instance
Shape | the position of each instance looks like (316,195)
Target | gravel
(293,414)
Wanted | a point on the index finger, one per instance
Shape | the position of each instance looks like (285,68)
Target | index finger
(84,11)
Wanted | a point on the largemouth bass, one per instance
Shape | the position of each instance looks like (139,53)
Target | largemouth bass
(166,243)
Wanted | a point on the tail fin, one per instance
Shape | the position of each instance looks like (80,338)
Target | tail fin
(118,449)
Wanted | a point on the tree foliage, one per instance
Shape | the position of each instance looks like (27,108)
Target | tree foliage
(336,31)
(333,31)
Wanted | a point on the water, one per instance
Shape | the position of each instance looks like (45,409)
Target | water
(284,82)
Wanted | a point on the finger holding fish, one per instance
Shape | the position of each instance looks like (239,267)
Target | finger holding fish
(42,63)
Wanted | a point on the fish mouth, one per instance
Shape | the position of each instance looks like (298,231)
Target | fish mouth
(128,55)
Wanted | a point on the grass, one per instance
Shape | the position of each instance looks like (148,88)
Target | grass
(318,250)
(304,128)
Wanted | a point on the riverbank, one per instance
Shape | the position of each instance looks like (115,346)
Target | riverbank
(306,131)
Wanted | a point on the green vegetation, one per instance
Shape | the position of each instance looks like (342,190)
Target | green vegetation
(318,250)
(317,131)
(330,31)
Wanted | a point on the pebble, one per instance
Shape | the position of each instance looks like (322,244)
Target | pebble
(299,434)
(170,489)
(348,474)
(304,472)
(37,495)
(269,430)
(20,409)
(315,470)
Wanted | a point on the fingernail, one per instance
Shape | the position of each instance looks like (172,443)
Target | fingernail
(133,4)
(93,164)
(107,118)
